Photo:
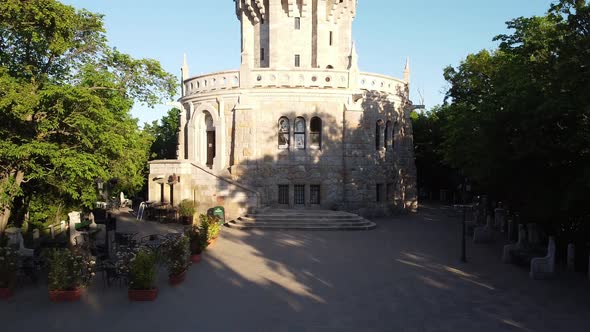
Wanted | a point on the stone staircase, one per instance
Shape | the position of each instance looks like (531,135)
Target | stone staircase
(313,220)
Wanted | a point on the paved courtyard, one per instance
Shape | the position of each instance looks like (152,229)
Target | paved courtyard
(403,276)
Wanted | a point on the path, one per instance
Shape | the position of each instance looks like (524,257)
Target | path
(403,276)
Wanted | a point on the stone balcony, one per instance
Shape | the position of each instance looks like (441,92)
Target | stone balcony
(272,78)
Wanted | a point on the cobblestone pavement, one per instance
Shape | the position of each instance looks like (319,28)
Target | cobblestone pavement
(404,276)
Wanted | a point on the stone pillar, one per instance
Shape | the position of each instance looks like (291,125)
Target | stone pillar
(500,219)
(221,138)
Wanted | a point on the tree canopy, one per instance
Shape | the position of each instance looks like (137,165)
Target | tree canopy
(65,100)
(517,118)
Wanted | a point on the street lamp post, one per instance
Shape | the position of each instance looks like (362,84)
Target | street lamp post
(464,222)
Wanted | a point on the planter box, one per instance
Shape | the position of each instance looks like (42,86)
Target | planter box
(65,295)
(196,258)
(5,293)
(142,294)
(178,279)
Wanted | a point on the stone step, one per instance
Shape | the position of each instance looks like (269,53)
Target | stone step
(306,217)
(301,222)
(312,227)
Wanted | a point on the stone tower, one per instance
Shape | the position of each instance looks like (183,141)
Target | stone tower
(306,34)
(297,126)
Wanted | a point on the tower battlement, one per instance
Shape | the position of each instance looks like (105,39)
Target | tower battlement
(288,34)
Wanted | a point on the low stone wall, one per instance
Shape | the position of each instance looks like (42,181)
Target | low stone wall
(201,185)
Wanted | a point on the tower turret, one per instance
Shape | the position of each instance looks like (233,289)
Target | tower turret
(287,34)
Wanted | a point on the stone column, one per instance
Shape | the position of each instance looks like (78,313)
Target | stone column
(221,137)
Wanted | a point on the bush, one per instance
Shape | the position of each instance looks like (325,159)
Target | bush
(8,267)
(186,208)
(209,226)
(176,254)
(69,269)
(142,269)
(196,242)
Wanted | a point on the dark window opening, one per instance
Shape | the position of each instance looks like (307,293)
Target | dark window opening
(297,60)
(331,38)
(314,194)
(300,194)
(378,192)
(284,129)
(297,23)
(283,194)
(299,134)
(315,135)
(379,135)
(262,54)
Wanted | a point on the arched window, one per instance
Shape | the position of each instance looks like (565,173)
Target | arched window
(284,129)
(299,133)
(388,135)
(393,134)
(379,128)
(315,134)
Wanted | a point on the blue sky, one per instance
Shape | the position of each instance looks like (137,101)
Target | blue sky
(432,33)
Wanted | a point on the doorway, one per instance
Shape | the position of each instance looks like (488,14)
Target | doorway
(210,148)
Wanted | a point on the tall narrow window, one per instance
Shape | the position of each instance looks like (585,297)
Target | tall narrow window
(315,133)
(262,54)
(299,194)
(297,23)
(331,38)
(314,194)
(379,135)
(299,133)
(388,133)
(283,194)
(284,129)
(297,60)
(393,134)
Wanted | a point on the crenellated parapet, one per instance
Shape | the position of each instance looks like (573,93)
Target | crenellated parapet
(254,9)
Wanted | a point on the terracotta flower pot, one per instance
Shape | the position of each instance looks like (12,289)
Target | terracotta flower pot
(211,242)
(5,293)
(65,295)
(176,279)
(142,294)
(196,258)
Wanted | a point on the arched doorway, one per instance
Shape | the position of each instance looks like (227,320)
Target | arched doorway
(210,139)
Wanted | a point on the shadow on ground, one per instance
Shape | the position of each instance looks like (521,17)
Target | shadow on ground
(404,276)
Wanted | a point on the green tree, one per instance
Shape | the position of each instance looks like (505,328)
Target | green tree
(518,117)
(165,135)
(65,100)
(433,173)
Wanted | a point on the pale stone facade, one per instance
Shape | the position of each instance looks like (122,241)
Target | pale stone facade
(297,126)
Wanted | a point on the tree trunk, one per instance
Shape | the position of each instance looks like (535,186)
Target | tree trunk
(6,211)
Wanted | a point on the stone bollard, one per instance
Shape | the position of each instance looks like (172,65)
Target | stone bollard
(544,267)
(500,219)
(571,257)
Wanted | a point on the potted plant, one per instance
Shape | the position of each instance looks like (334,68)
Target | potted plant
(186,209)
(142,276)
(69,271)
(177,256)
(8,268)
(209,228)
(197,243)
